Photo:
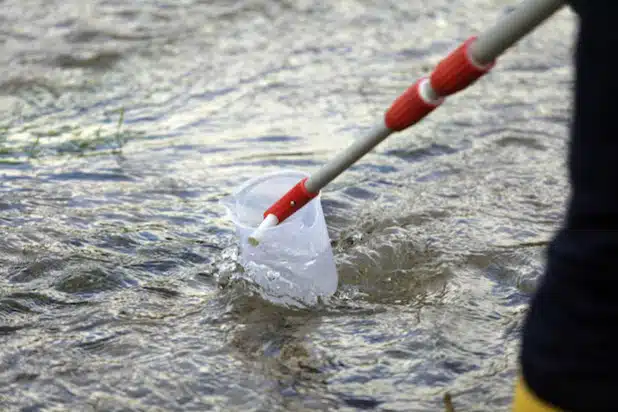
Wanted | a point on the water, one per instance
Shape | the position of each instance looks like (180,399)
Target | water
(124,122)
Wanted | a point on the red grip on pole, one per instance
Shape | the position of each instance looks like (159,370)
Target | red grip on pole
(408,109)
(294,199)
(457,71)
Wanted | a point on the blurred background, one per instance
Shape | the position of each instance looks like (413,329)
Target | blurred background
(122,124)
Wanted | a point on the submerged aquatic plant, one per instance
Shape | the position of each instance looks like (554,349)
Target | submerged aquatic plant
(448,403)
(30,142)
(119,138)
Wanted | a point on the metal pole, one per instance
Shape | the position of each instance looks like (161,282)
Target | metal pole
(346,158)
(457,71)
(510,29)
(485,49)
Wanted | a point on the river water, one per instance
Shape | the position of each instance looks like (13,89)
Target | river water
(123,122)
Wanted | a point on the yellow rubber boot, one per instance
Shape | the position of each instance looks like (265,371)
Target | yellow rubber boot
(526,401)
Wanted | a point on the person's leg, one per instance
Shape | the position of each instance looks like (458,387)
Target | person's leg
(569,357)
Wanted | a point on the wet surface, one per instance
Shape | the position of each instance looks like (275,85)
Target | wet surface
(124,122)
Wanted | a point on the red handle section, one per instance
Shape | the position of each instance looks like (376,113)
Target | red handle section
(294,199)
(408,109)
(457,71)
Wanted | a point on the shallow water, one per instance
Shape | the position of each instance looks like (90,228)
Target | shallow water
(124,122)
